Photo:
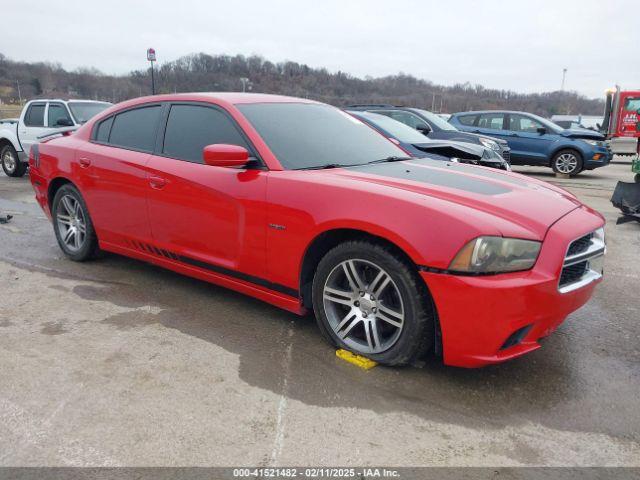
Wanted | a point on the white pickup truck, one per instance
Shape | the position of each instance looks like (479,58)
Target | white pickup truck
(39,118)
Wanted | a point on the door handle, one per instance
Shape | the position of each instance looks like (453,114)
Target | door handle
(84,162)
(157,182)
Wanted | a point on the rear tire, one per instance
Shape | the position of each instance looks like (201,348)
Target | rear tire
(72,225)
(11,164)
(637,178)
(567,162)
(383,311)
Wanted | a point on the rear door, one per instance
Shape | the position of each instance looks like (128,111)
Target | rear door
(32,126)
(526,142)
(113,172)
(211,217)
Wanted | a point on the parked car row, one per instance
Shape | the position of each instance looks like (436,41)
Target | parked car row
(537,141)
(345,214)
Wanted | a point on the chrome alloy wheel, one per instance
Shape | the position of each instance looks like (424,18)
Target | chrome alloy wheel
(363,306)
(567,163)
(9,161)
(71,223)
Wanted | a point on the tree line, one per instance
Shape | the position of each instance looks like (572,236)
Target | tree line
(21,81)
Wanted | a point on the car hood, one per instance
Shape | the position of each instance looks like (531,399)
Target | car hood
(502,142)
(529,206)
(452,149)
(582,133)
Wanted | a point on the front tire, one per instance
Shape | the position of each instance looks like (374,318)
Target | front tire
(567,162)
(72,225)
(371,301)
(11,165)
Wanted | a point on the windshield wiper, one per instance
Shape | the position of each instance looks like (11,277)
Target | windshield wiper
(324,167)
(393,158)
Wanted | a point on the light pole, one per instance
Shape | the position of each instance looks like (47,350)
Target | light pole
(564,76)
(246,83)
(151,57)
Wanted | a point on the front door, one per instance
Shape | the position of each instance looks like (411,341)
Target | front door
(210,217)
(527,142)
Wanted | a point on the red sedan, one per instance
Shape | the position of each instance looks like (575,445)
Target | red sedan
(303,206)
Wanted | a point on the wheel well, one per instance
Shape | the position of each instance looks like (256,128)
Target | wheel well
(4,142)
(328,240)
(54,186)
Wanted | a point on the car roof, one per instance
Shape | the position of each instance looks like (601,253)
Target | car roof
(221,98)
(475,112)
(68,100)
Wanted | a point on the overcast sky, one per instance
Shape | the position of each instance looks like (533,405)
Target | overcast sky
(521,45)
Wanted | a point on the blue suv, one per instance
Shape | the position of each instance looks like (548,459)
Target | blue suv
(537,141)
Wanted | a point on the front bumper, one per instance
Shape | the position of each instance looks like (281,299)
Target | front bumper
(598,157)
(478,314)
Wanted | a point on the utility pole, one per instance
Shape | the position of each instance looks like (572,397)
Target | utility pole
(433,101)
(151,57)
(564,76)
(19,94)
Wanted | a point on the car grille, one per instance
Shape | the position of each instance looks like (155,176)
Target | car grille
(583,261)
(506,155)
(580,245)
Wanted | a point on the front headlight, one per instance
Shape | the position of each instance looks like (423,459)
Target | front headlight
(595,143)
(492,144)
(496,255)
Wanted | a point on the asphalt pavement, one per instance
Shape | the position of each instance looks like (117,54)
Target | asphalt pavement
(117,362)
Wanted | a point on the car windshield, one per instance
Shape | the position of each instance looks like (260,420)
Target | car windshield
(436,120)
(392,127)
(308,135)
(553,127)
(83,111)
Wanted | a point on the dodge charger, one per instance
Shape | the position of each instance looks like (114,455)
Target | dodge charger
(304,206)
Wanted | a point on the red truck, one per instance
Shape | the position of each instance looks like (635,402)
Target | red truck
(622,120)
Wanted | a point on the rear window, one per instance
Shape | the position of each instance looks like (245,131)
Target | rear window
(35,115)
(102,134)
(136,129)
(468,120)
(190,128)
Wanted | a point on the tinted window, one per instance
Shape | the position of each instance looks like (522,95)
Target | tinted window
(493,121)
(136,129)
(190,128)
(57,111)
(303,135)
(399,130)
(436,120)
(35,115)
(468,120)
(102,135)
(520,123)
(404,117)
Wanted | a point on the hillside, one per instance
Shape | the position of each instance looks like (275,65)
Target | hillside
(202,72)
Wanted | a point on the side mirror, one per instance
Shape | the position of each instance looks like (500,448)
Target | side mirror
(64,122)
(542,130)
(423,128)
(223,155)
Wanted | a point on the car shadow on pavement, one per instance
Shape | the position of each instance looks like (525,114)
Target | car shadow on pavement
(539,387)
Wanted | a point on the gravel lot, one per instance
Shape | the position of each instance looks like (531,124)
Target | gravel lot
(117,362)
